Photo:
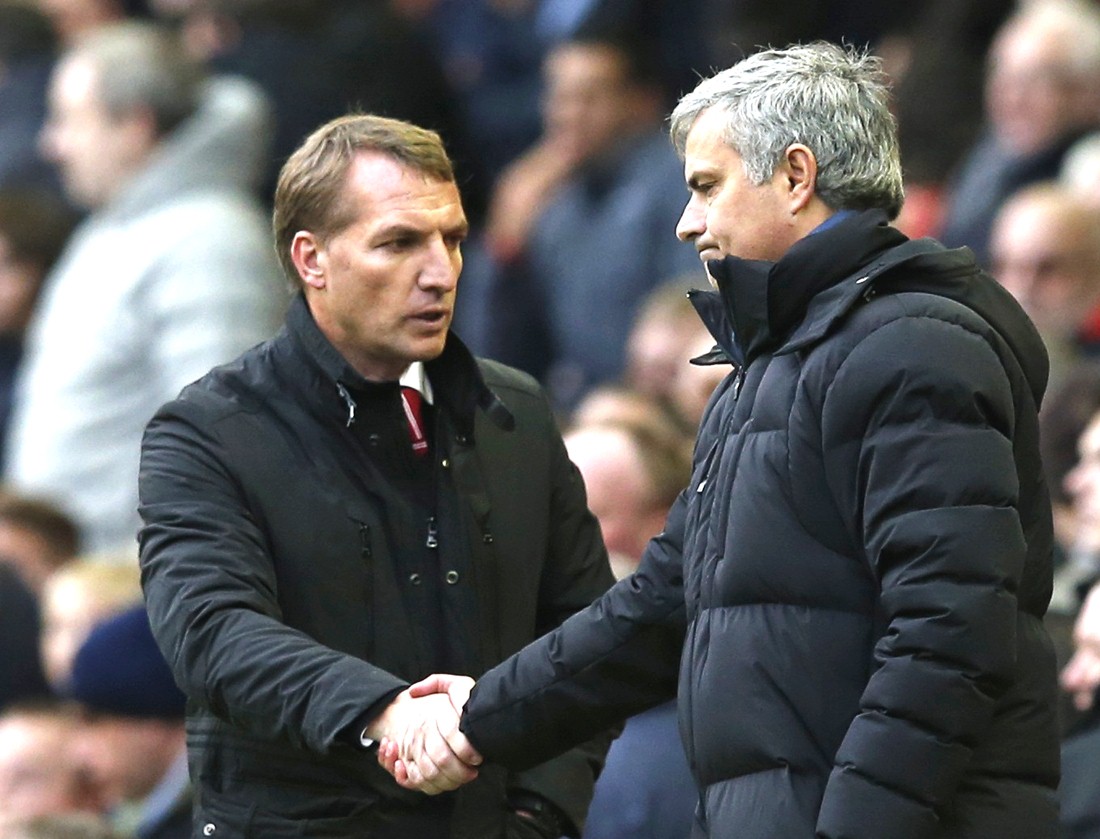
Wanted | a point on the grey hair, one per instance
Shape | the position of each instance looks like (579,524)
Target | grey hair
(140,65)
(831,99)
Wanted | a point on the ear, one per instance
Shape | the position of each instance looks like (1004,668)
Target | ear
(799,171)
(308,255)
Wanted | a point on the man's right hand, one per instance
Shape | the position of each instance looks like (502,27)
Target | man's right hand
(432,758)
(420,726)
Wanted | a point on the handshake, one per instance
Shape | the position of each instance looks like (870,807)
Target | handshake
(418,738)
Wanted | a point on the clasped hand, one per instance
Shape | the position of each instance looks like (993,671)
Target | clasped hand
(419,740)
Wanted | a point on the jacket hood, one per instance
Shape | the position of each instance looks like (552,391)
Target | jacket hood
(457,383)
(222,146)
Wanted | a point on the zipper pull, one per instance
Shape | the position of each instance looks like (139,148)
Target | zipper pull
(738,381)
(433,540)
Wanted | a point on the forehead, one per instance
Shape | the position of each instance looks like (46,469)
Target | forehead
(1038,224)
(74,82)
(705,147)
(387,189)
(581,62)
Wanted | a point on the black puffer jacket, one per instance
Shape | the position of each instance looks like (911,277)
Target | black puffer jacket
(857,571)
(273,589)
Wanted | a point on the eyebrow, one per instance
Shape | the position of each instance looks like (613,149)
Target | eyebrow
(697,178)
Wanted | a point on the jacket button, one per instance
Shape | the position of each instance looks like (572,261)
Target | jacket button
(208,829)
(487,538)
(462,439)
(414,578)
(374,440)
(451,577)
(446,464)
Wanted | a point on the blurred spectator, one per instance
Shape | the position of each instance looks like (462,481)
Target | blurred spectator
(132,741)
(695,381)
(36,538)
(67,826)
(490,52)
(73,19)
(38,773)
(1080,677)
(632,473)
(1081,169)
(34,227)
(1042,94)
(581,225)
(316,59)
(618,403)
(668,333)
(172,273)
(1045,249)
(76,597)
(26,58)
(1065,414)
(21,675)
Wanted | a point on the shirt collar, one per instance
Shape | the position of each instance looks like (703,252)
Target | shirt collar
(416,377)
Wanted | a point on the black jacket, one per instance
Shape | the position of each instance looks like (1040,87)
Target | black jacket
(856,575)
(272,592)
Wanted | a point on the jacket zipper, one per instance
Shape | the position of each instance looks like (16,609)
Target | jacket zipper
(433,534)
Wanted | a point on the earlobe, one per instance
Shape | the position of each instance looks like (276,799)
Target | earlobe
(800,167)
(307,254)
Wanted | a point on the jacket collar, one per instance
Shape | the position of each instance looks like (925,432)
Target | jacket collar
(765,301)
(457,384)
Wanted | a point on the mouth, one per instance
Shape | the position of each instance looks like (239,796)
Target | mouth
(434,317)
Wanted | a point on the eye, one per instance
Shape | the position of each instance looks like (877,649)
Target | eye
(399,243)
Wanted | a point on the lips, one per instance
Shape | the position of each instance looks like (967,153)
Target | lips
(432,317)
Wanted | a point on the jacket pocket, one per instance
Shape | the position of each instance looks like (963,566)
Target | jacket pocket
(220,817)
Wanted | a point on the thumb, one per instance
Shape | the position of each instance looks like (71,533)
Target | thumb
(439,683)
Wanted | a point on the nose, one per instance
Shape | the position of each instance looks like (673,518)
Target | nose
(693,220)
(442,265)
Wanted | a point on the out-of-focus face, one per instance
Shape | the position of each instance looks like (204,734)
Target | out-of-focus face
(1045,254)
(125,758)
(383,289)
(589,102)
(728,215)
(1083,484)
(69,613)
(619,494)
(37,774)
(95,152)
(1032,95)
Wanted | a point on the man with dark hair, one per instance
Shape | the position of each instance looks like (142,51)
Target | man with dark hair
(354,504)
(850,592)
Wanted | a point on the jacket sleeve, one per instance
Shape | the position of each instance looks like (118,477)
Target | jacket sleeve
(210,588)
(918,428)
(617,657)
(575,574)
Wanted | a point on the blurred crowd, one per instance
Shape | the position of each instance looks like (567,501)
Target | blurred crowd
(139,144)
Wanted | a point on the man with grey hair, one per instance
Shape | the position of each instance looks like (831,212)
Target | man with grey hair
(851,589)
(171,273)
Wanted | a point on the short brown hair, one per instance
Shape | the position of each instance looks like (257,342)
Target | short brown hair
(311,183)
